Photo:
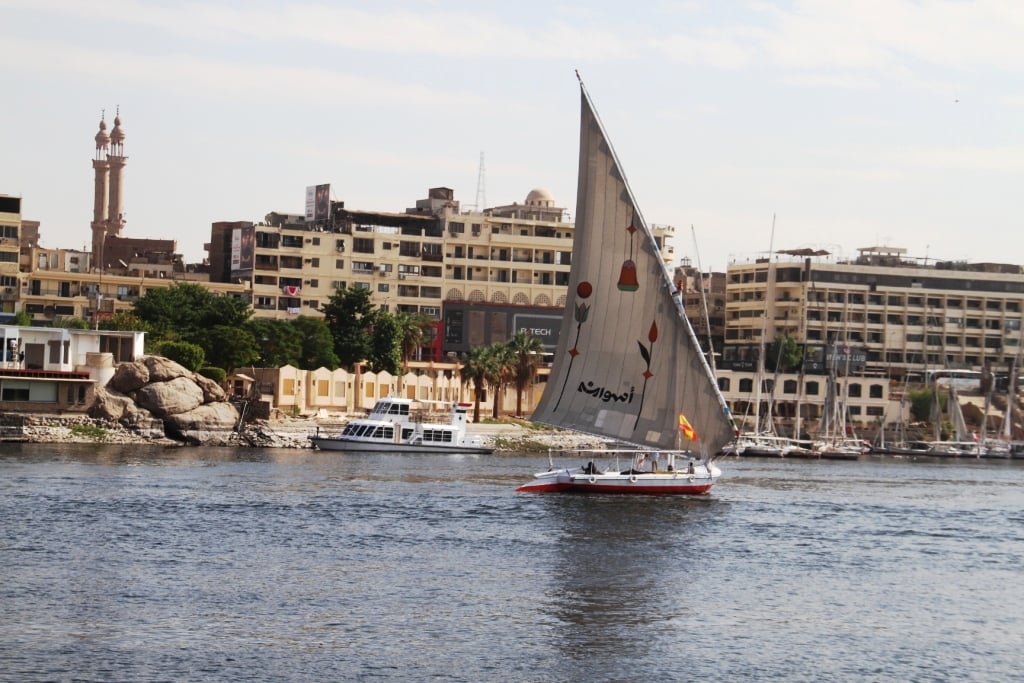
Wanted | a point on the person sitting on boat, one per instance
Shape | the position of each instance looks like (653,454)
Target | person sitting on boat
(689,469)
(591,468)
(638,463)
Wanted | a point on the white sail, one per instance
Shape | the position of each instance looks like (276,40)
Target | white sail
(628,364)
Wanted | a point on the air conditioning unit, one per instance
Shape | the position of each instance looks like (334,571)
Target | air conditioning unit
(401,276)
(306,282)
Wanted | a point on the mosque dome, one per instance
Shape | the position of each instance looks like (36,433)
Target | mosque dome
(540,197)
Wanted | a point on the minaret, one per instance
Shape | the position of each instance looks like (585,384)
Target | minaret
(101,167)
(117,160)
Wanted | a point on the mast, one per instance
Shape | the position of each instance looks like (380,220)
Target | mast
(759,375)
(704,302)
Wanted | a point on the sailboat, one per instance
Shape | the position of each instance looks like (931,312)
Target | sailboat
(628,366)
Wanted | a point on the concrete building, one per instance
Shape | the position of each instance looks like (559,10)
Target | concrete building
(49,370)
(479,274)
(873,321)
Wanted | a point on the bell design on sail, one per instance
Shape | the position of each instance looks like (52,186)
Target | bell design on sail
(628,281)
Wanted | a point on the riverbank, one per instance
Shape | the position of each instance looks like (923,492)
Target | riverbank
(283,432)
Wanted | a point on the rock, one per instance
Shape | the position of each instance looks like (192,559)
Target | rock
(110,405)
(128,377)
(211,424)
(212,392)
(164,369)
(173,397)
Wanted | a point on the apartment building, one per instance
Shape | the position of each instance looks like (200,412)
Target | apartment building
(10,249)
(873,321)
(483,275)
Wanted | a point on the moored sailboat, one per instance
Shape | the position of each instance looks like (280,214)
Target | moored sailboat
(628,366)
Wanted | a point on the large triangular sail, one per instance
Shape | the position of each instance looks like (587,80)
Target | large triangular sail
(628,365)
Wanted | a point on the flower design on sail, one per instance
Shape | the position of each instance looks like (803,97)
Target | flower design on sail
(582,310)
(645,351)
(628,281)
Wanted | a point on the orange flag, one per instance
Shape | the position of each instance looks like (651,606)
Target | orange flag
(686,428)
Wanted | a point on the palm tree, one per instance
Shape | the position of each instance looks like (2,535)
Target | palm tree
(475,369)
(499,372)
(413,330)
(527,351)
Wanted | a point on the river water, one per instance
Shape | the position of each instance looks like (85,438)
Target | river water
(127,563)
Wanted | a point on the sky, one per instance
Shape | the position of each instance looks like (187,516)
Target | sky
(749,126)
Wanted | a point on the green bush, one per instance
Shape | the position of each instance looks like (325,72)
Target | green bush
(189,355)
(216,374)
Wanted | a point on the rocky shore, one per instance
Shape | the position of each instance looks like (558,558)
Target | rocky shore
(281,433)
(154,400)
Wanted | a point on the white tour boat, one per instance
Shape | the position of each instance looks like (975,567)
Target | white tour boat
(397,425)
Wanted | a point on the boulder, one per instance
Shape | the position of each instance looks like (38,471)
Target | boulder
(129,376)
(164,369)
(111,405)
(175,396)
(211,424)
(212,392)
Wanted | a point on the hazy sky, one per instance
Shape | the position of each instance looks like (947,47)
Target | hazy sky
(892,122)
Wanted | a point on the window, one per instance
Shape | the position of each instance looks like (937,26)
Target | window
(875,391)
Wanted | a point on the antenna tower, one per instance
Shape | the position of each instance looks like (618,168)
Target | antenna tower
(481,193)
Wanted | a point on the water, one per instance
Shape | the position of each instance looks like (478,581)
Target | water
(140,564)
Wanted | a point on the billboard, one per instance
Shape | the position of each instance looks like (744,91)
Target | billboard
(318,202)
(242,250)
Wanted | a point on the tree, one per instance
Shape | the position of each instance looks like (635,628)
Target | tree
(499,373)
(475,369)
(71,323)
(921,401)
(385,344)
(350,316)
(783,355)
(125,321)
(316,344)
(278,342)
(527,352)
(412,329)
(187,310)
(230,347)
(22,319)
